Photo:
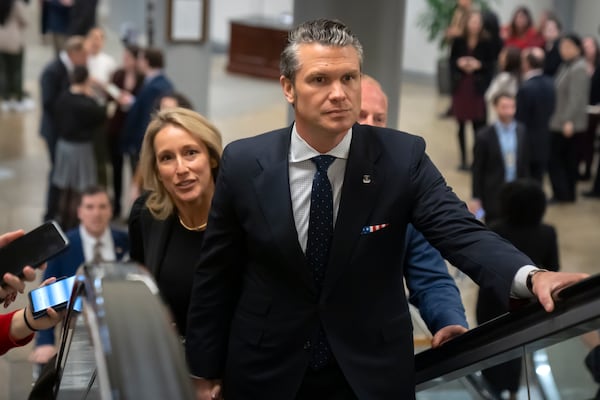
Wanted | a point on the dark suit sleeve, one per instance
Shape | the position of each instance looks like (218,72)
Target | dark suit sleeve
(553,260)
(430,284)
(216,281)
(480,160)
(445,221)
(136,238)
(523,113)
(50,87)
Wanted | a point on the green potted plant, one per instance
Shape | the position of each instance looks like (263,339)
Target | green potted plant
(434,21)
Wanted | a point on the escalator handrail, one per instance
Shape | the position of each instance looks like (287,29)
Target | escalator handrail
(577,310)
(122,302)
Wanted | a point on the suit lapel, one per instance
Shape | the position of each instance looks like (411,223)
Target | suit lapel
(496,149)
(362,184)
(522,167)
(273,193)
(157,243)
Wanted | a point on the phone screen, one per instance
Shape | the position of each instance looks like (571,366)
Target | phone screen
(33,248)
(55,295)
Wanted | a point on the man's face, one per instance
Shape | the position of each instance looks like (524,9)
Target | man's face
(78,57)
(505,108)
(326,90)
(94,213)
(373,108)
(142,63)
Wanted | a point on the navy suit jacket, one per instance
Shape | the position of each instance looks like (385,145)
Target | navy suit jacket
(255,309)
(53,81)
(488,168)
(535,106)
(67,263)
(429,284)
(139,115)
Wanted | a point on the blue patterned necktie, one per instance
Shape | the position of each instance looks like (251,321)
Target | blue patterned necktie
(320,232)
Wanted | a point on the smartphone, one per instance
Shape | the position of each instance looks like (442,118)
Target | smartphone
(33,249)
(55,295)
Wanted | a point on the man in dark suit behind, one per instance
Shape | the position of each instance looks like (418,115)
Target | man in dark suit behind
(266,325)
(500,155)
(53,81)
(156,84)
(535,105)
(92,241)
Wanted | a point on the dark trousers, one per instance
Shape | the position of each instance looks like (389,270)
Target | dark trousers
(585,144)
(53,194)
(537,170)
(11,75)
(477,125)
(327,383)
(563,167)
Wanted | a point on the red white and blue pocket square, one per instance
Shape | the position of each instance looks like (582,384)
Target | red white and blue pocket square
(373,228)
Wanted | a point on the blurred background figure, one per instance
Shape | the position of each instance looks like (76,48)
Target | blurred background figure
(523,205)
(56,19)
(179,162)
(78,118)
(570,118)
(472,63)
(12,51)
(521,32)
(129,79)
(53,81)
(535,106)
(507,80)
(500,154)
(586,140)
(551,33)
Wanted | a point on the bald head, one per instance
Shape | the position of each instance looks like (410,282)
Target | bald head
(374,103)
(532,58)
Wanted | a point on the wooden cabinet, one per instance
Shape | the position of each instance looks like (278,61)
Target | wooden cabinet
(255,46)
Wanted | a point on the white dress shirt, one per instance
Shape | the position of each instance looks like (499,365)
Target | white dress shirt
(107,250)
(301,174)
(302,171)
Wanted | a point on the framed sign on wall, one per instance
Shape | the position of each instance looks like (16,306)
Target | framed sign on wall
(186,20)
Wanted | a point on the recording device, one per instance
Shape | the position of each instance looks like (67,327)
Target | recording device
(55,295)
(33,249)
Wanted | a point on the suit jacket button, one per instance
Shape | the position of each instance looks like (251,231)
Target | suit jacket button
(307,345)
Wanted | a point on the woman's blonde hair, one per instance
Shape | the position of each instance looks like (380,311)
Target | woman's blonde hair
(159,201)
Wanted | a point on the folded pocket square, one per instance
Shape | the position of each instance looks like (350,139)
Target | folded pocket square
(372,228)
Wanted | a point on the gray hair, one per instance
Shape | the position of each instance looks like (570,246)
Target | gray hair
(323,31)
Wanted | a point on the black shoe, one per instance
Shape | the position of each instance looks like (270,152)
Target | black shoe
(464,167)
(591,194)
(584,177)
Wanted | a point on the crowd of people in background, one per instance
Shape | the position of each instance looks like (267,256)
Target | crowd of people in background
(553,77)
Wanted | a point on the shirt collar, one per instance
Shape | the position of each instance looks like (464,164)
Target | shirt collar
(64,57)
(302,151)
(506,127)
(532,73)
(88,238)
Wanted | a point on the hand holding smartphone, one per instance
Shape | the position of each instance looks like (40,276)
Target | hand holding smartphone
(55,295)
(32,249)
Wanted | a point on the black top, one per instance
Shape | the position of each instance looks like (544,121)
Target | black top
(176,272)
(553,59)
(78,116)
(483,52)
(595,87)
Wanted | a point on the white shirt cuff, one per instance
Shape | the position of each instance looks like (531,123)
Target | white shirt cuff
(518,288)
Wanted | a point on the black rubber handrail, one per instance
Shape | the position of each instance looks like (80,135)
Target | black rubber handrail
(530,328)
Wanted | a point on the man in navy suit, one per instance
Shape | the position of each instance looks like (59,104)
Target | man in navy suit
(535,106)
(156,84)
(425,271)
(93,241)
(261,323)
(500,155)
(53,81)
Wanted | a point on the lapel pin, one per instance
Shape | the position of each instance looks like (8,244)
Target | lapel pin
(366,178)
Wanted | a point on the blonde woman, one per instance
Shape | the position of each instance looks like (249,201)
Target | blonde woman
(179,164)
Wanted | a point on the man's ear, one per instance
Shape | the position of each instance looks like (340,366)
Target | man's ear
(288,89)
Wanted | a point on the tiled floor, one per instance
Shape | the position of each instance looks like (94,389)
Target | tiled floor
(240,107)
